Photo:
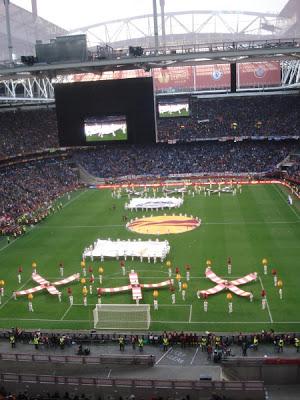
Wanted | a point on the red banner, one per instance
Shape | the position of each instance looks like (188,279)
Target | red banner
(200,77)
(215,76)
(108,75)
(258,74)
(173,79)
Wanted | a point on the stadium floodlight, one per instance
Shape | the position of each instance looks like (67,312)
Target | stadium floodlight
(122,316)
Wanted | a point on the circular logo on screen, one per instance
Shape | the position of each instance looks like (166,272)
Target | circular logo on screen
(217,75)
(163,225)
(260,72)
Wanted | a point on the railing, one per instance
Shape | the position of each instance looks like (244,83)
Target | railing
(259,361)
(220,46)
(148,360)
(134,383)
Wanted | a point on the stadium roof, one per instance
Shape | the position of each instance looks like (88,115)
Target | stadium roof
(26,28)
(120,27)
(292,10)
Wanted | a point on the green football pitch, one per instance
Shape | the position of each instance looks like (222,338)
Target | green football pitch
(254,224)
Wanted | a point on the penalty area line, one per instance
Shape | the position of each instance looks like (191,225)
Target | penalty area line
(66,312)
(268,308)
(190,316)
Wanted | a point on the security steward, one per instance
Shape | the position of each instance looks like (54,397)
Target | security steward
(255,343)
(165,343)
(12,341)
(121,343)
(141,344)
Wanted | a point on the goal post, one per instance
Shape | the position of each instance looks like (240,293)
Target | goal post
(122,316)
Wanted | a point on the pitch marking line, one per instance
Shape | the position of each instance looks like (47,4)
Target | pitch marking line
(268,308)
(80,226)
(250,223)
(37,226)
(164,355)
(44,320)
(190,316)
(66,312)
(227,322)
(74,198)
(194,356)
(20,288)
(284,200)
(162,322)
(160,305)
(203,223)
(19,237)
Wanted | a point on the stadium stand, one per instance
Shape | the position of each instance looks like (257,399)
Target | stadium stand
(250,116)
(23,131)
(27,131)
(164,159)
(294,171)
(27,192)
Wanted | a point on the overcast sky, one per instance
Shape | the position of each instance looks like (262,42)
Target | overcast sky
(71,14)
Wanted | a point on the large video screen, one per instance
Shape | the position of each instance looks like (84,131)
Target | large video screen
(127,104)
(173,109)
(111,127)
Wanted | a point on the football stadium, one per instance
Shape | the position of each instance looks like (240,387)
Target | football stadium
(150,213)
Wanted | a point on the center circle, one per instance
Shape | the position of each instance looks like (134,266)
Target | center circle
(163,225)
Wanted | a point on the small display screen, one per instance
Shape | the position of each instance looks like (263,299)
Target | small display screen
(176,109)
(113,127)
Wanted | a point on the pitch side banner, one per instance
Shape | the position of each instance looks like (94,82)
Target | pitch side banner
(258,74)
(215,76)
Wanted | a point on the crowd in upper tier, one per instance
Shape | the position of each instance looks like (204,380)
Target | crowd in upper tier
(28,190)
(24,131)
(275,115)
(294,172)
(164,159)
(27,131)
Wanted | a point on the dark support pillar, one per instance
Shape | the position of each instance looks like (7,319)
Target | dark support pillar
(233,77)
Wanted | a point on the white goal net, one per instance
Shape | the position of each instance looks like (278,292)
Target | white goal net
(122,316)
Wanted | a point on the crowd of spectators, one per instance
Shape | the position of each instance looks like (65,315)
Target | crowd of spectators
(174,338)
(294,172)
(252,116)
(25,131)
(28,190)
(164,159)
(27,395)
